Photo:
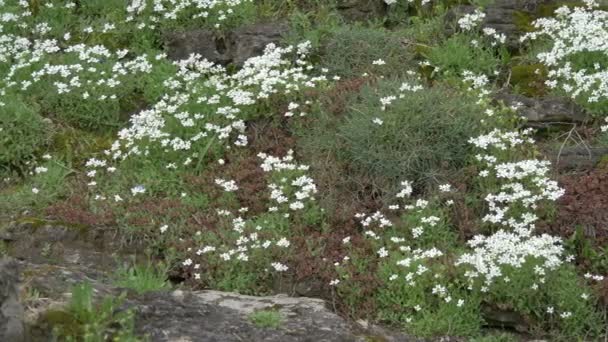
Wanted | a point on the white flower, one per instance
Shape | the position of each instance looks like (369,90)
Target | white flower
(445,187)
(163,228)
(138,189)
(279,267)
(283,243)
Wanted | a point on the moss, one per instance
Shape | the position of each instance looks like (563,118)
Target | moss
(64,320)
(36,222)
(75,145)
(527,81)
(523,21)
(374,338)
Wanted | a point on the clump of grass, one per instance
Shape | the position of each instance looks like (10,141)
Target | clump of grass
(142,278)
(83,320)
(266,318)
(458,53)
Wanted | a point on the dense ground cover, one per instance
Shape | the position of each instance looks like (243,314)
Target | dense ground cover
(366,161)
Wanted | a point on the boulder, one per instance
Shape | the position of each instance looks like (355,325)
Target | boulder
(543,111)
(11,311)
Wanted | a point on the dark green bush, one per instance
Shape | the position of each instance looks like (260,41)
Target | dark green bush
(22,133)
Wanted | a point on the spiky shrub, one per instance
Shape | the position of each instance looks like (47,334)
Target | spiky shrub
(352,49)
(22,133)
(421,136)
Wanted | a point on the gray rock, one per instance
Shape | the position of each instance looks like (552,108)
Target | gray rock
(250,41)
(361,10)
(180,45)
(11,311)
(220,316)
(543,111)
(234,47)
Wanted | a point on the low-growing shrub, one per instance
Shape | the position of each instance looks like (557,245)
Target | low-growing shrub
(23,132)
(351,51)
(419,137)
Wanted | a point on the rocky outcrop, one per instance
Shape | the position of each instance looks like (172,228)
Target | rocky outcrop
(201,315)
(54,258)
(11,311)
(234,47)
(543,111)
(221,316)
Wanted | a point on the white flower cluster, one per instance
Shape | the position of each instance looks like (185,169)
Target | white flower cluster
(572,33)
(492,253)
(259,78)
(293,187)
(233,94)
(94,73)
(240,247)
(471,21)
(524,182)
(148,13)
(411,86)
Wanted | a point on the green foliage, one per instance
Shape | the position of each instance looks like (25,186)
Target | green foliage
(498,337)
(252,276)
(266,318)
(142,277)
(134,92)
(351,50)
(83,320)
(23,133)
(425,30)
(560,292)
(316,27)
(38,191)
(457,54)
(424,135)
